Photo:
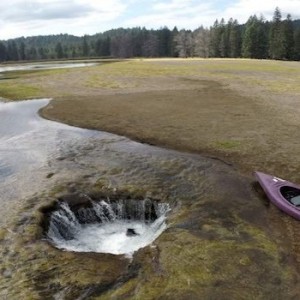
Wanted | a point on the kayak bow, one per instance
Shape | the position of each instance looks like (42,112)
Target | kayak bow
(284,194)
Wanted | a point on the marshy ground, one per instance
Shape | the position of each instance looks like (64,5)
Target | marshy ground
(245,111)
(224,239)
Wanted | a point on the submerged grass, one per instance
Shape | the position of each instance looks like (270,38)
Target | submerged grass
(216,255)
(205,105)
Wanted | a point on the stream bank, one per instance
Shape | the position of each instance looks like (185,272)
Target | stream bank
(221,241)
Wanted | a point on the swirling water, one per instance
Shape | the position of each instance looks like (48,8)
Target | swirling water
(104,227)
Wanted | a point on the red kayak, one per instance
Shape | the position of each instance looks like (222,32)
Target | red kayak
(284,194)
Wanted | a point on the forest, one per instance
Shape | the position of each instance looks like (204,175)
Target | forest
(258,38)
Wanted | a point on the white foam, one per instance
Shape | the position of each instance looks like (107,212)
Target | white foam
(112,238)
(107,236)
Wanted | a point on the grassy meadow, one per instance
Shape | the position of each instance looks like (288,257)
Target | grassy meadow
(222,237)
(242,111)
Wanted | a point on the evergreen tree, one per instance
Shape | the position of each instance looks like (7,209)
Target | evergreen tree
(22,51)
(98,47)
(3,52)
(59,51)
(297,44)
(12,51)
(85,47)
(223,39)
(102,46)
(32,53)
(249,39)
(174,51)
(255,41)
(73,52)
(165,42)
(215,39)
(106,46)
(288,37)
(262,39)
(234,39)
(42,53)
(276,45)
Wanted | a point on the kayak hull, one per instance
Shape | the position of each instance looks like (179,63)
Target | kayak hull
(275,188)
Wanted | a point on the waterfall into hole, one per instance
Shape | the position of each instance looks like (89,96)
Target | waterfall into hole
(116,227)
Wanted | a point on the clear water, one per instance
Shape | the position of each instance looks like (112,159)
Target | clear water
(45,66)
(29,145)
(27,142)
(32,147)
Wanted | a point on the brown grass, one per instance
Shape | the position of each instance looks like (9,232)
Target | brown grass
(203,116)
(223,108)
(243,111)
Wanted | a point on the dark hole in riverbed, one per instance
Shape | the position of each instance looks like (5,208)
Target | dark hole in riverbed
(117,225)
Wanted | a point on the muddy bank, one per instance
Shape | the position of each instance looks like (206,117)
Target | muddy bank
(221,241)
(243,111)
(224,240)
(205,117)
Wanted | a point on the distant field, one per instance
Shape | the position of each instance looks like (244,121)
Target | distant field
(243,111)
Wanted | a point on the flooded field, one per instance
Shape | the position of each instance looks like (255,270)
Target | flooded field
(44,66)
(220,242)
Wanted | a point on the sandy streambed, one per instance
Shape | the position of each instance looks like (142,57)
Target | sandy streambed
(222,240)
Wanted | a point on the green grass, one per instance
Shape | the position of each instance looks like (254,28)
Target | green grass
(227,145)
(18,91)
(142,69)
(276,76)
(102,81)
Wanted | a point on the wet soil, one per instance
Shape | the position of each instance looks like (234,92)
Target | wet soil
(233,111)
(224,241)
(222,238)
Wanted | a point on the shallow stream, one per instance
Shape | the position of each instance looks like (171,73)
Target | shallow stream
(43,66)
(220,242)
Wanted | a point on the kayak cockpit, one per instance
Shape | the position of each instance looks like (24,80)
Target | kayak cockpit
(291,194)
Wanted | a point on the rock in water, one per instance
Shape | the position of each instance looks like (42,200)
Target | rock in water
(131,232)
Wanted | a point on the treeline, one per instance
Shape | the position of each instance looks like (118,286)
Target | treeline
(258,38)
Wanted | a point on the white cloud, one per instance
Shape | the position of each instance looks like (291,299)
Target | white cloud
(36,17)
(33,17)
(20,10)
(191,14)
(174,4)
(243,9)
(183,14)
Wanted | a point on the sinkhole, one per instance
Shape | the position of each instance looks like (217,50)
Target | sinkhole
(105,225)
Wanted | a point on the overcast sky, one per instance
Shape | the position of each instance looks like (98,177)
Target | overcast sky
(79,17)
